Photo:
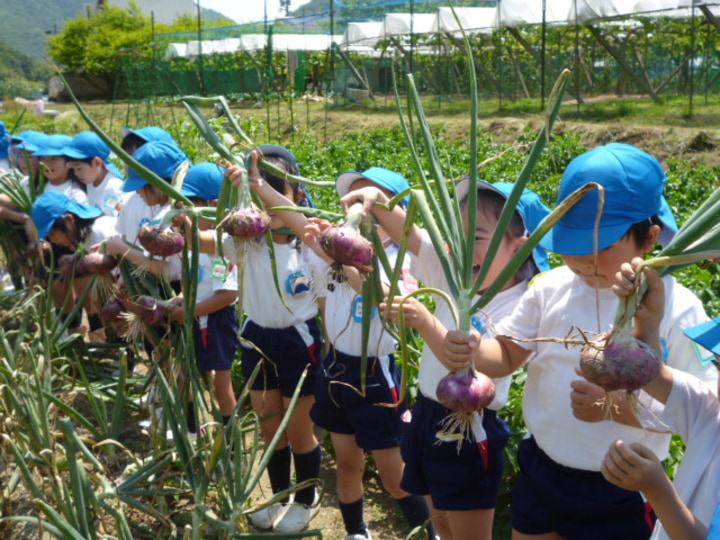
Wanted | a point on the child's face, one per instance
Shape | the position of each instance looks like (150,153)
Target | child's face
(608,262)
(151,195)
(87,173)
(484,231)
(58,236)
(56,169)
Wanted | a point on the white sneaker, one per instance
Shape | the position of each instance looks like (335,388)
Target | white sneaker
(358,536)
(266,518)
(297,517)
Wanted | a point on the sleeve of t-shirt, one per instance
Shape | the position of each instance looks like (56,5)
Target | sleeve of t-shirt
(522,323)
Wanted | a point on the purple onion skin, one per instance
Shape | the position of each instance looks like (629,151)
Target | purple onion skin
(248,223)
(622,365)
(150,310)
(97,263)
(110,312)
(161,241)
(465,391)
(346,245)
(67,265)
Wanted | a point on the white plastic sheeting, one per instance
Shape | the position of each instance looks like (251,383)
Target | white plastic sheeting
(472,20)
(362,33)
(253,42)
(402,24)
(512,13)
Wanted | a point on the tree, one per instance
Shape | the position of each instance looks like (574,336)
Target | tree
(90,45)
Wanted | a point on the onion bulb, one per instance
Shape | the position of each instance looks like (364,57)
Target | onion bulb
(345,245)
(465,391)
(249,223)
(161,241)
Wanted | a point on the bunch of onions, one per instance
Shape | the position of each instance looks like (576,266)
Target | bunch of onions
(161,241)
(149,310)
(345,245)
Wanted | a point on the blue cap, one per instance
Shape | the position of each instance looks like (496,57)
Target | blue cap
(160,157)
(53,145)
(4,142)
(51,206)
(529,207)
(86,145)
(277,151)
(151,134)
(633,181)
(203,180)
(30,141)
(385,178)
(706,335)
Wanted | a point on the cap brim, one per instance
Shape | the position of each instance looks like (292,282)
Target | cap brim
(74,153)
(706,335)
(345,180)
(133,182)
(568,241)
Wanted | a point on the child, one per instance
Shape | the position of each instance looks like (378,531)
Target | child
(691,409)
(290,343)
(88,155)
(72,225)
(4,149)
(461,486)
(135,211)
(216,325)
(560,491)
(361,419)
(57,175)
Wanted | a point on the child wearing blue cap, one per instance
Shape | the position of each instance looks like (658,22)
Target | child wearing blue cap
(88,156)
(287,342)
(215,325)
(4,149)
(55,168)
(72,225)
(688,506)
(370,418)
(560,490)
(461,485)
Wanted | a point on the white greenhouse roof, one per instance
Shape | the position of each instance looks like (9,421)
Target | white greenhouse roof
(472,19)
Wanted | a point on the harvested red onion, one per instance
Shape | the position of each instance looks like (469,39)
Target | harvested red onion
(247,223)
(345,245)
(161,241)
(465,391)
(149,310)
(110,312)
(619,362)
(97,263)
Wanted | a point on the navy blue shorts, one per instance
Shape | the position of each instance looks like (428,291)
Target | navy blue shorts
(216,345)
(464,479)
(286,352)
(340,406)
(576,504)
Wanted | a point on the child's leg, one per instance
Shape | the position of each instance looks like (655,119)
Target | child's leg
(268,405)
(414,507)
(476,524)
(305,447)
(350,463)
(224,393)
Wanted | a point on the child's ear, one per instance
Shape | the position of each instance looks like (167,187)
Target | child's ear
(651,238)
(300,196)
(213,203)
(98,161)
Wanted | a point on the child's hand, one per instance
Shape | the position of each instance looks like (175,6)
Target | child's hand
(459,349)
(116,246)
(651,309)
(177,313)
(633,467)
(368,196)
(587,400)
(182,222)
(416,314)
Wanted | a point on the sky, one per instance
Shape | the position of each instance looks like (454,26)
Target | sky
(243,11)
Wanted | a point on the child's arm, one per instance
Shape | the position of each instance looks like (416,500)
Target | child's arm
(636,468)
(116,246)
(417,316)
(393,221)
(219,300)
(495,357)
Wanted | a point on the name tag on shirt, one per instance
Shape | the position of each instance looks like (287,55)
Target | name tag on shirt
(358,310)
(112,202)
(220,270)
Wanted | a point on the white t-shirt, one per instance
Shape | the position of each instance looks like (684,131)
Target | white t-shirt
(108,196)
(136,213)
(557,304)
(693,412)
(69,188)
(214,274)
(426,267)
(104,227)
(299,271)
(344,313)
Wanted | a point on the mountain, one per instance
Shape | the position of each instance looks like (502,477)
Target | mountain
(25,25)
